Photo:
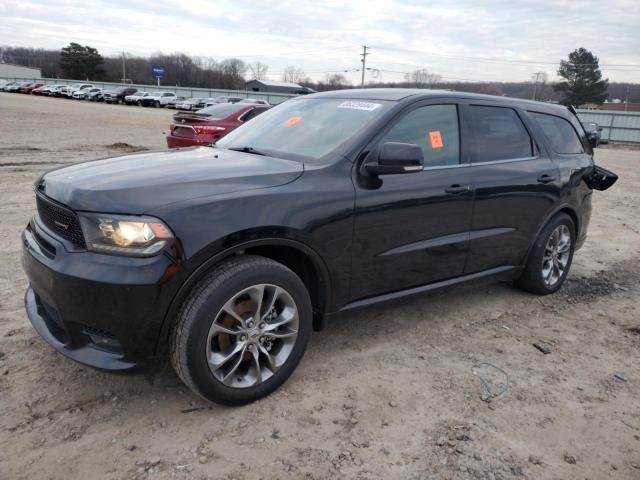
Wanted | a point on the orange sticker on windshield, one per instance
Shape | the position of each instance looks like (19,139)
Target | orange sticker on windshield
(293,121)
(436,139)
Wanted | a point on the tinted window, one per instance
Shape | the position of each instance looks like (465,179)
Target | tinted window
(499,134)
(434,129)
(560,133)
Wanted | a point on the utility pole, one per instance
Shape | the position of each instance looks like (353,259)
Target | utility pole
(538,75)
(364,62)
(626,100)
(124,70)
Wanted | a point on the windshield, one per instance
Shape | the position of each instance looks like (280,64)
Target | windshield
(306,129)
(220,110)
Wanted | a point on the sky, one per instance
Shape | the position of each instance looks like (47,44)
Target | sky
(503,40)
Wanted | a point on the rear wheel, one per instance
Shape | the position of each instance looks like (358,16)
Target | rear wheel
(550,258)
(243,331)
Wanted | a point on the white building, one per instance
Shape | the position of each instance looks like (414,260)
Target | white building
(9,70)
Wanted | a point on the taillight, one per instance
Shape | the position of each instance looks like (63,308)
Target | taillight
(208,129)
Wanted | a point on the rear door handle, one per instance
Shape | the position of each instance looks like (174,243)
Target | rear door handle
(457,188)
(546,178)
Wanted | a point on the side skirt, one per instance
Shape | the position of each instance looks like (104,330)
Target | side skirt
(506,271)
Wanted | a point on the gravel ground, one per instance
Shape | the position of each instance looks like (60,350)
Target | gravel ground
(387,392)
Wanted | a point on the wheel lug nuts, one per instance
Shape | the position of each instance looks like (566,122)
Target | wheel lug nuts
(262,325)
(250,324)
(243,338)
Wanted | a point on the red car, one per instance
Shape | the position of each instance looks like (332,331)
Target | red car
(38,90)
(210,124)
(30,88)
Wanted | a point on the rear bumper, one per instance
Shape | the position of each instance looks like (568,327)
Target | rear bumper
(100,310)
(178,142)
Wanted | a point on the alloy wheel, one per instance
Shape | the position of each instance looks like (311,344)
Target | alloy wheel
(252,336)
(556,255)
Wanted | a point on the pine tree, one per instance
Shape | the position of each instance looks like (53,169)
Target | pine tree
(583,80)
(80,62)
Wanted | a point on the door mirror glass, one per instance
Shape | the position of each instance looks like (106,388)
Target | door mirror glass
(395,158)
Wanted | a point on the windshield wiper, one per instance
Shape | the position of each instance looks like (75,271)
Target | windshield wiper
(247,150)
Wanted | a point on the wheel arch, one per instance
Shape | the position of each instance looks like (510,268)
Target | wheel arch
(566,208)
(297,256)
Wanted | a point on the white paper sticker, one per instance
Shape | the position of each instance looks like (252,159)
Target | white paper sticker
(353,105)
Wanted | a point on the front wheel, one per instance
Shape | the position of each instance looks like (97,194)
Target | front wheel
(243,331)
(550,257)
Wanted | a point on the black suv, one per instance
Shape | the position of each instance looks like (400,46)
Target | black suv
(227,257)
(117,96)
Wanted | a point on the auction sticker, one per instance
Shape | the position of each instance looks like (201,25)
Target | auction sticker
(367,106)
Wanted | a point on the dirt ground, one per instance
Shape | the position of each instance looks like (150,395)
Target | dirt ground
(385,393)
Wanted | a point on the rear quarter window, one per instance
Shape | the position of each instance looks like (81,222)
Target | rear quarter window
(561,135)
(499,134)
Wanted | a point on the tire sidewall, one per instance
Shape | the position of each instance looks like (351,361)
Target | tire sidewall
(541,243)
(210,387)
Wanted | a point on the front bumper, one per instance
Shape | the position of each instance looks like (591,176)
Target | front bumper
(100,310)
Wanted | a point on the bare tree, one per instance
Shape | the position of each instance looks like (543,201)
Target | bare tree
(257,71)
(293,74)
(421,78)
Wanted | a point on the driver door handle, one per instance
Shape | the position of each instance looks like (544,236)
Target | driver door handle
(457,188)
(546,178)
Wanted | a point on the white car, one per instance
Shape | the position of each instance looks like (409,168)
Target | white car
(159,99)
(136,98)
(255,101)
(76,87)
(83,92)
(191,104)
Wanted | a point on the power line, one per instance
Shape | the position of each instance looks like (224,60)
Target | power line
(495,60)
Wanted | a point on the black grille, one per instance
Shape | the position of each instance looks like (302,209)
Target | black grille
(60,220)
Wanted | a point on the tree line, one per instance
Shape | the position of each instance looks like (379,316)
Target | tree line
(582,79)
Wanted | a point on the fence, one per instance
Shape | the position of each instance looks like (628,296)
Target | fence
(272,98)
(617,127)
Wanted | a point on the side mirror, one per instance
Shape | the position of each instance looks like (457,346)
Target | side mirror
(395,158)
(600,129)
(593,141)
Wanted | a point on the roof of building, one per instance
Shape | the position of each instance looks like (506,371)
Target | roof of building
(275,83)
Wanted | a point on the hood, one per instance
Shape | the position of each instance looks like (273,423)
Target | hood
(137,183)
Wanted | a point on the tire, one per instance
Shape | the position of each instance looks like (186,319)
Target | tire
(139,103)
(548,264)
(232,379)
(157,104)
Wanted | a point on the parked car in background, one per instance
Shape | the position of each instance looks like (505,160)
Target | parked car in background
(118,95)
(3,83)
(594,132)
(172,103)
(158,99)
(191,104)
(76,87)
(136,98)
(210,124)
(215,100)
(95,95)
(29,88)
(15,87)
(5,86)
(49,90)
(39,90)
(61,91)
(254,101)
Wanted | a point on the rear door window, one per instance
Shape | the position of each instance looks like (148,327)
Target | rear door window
(559,132)
(434,128)
(499,134)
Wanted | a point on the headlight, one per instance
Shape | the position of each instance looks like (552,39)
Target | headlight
(124,235)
